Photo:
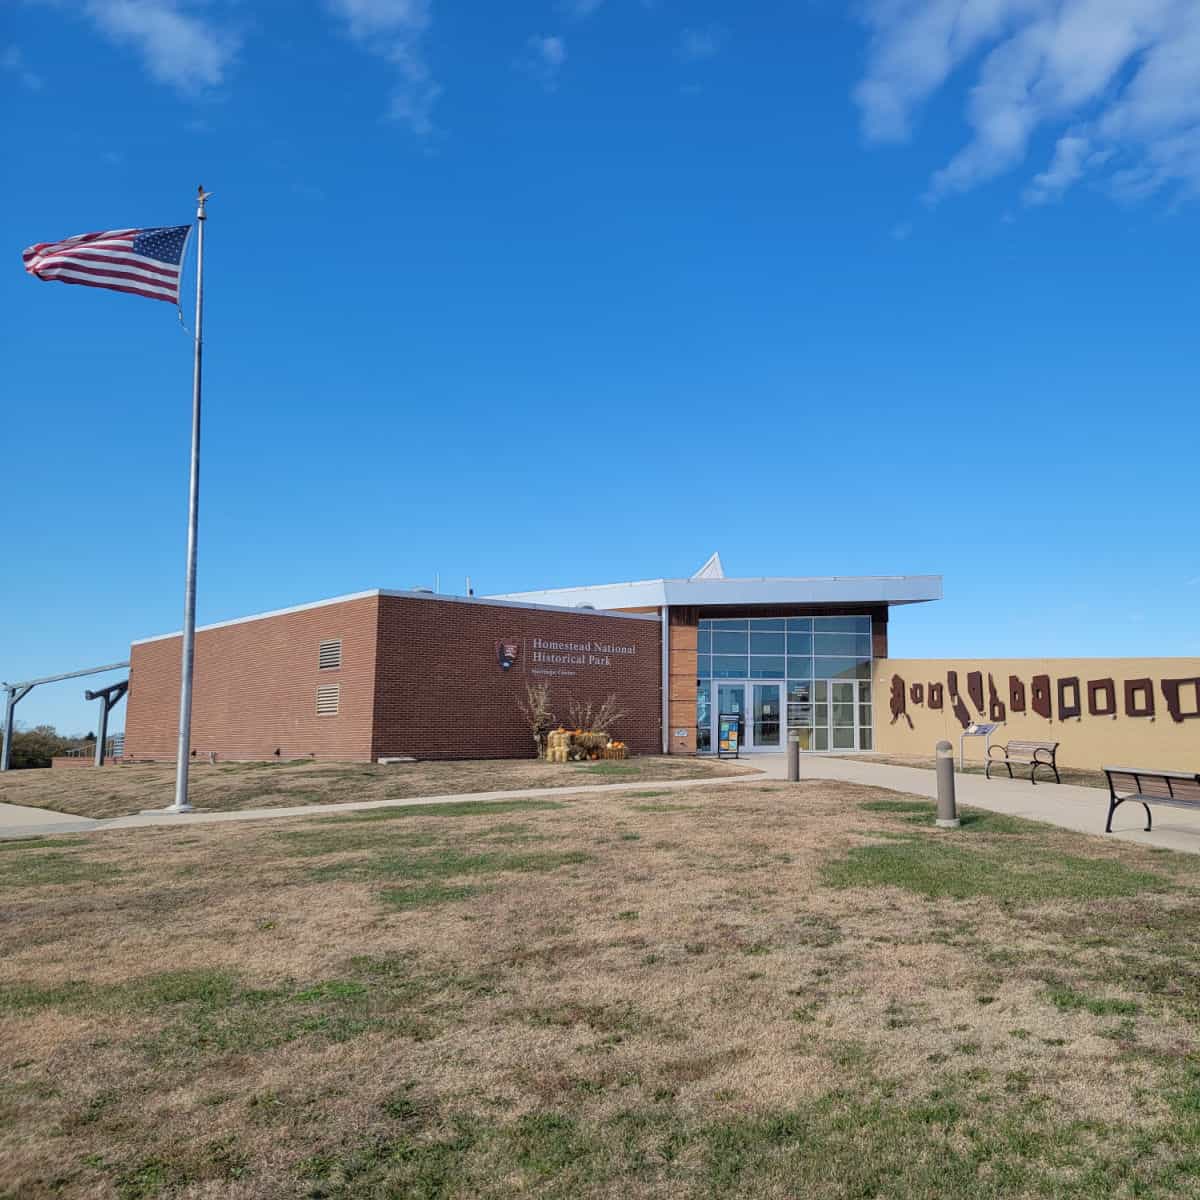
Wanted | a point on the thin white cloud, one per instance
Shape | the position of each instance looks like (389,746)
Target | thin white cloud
(13,62)
(178,46)
(544,59)
(695,45)
(1073,157)
(1066,167)
(551,50)
(1122,75)
(393,30)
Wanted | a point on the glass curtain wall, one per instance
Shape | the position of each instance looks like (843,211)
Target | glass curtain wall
(822,663)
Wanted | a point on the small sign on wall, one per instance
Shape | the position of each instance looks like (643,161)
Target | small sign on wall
(681,733)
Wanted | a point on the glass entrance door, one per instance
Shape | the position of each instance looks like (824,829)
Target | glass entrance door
(731,698)
(765,731)
(758,705)
(843,730)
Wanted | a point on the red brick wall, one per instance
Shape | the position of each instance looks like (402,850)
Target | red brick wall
(440,691)
(255,687)
(419,677)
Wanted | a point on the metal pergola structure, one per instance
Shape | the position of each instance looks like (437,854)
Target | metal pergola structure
(16,692)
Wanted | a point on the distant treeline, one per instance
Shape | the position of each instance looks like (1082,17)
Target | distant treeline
(37,746)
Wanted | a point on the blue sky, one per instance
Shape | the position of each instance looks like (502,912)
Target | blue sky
(556,293)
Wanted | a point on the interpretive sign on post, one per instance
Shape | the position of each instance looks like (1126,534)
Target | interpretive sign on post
(977,729)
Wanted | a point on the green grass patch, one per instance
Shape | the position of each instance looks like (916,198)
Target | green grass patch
(31,997)
(938,867)
(609,767)
(1069,1000)
(510,834)
(457,808)
(427,895)
(310,842)
(209,989)
(147,1179)
(39,868)
(448,863)
(206,1013)
(977,820)
(38,843)
(835,1146)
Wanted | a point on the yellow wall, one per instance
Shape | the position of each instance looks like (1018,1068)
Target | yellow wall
(1086,741)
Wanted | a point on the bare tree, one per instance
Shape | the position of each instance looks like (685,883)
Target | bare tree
(595,718)
(535,708)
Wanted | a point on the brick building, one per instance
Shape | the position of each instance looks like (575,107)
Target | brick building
(388,674)
(382,674)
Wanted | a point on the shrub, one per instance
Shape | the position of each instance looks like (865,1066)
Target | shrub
(36,747)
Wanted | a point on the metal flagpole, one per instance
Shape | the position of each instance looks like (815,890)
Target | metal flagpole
(181,804)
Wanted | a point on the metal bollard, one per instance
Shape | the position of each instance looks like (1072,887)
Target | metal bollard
(793,761)
(947,809)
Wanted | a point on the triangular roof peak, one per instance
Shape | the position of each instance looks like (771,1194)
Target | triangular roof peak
(712,568)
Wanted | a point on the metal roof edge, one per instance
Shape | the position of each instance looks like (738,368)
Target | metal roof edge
(410,595)
(262,616)
(498,602)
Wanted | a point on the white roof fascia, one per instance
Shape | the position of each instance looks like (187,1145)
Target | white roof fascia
(837,589)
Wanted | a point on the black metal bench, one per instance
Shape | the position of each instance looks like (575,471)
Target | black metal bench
(1024,754)
(1175,789)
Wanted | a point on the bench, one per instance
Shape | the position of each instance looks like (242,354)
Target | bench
(1024,754)
(1176,789)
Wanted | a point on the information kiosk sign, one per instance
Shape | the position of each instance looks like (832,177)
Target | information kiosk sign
(977,729)
(728,734)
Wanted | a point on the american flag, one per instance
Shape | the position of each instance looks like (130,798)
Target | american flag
(146,262)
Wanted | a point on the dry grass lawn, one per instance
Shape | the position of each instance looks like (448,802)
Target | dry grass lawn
(754,990)
(116,791)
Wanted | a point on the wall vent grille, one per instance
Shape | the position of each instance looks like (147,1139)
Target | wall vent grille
(329,655)
(329,699)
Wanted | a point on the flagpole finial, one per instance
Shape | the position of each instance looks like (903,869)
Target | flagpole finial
(201,197)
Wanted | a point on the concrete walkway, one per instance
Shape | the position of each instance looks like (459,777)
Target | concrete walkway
(19,821)
(1080,808)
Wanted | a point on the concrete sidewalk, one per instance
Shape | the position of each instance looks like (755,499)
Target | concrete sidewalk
(19,821)
(1080,808)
